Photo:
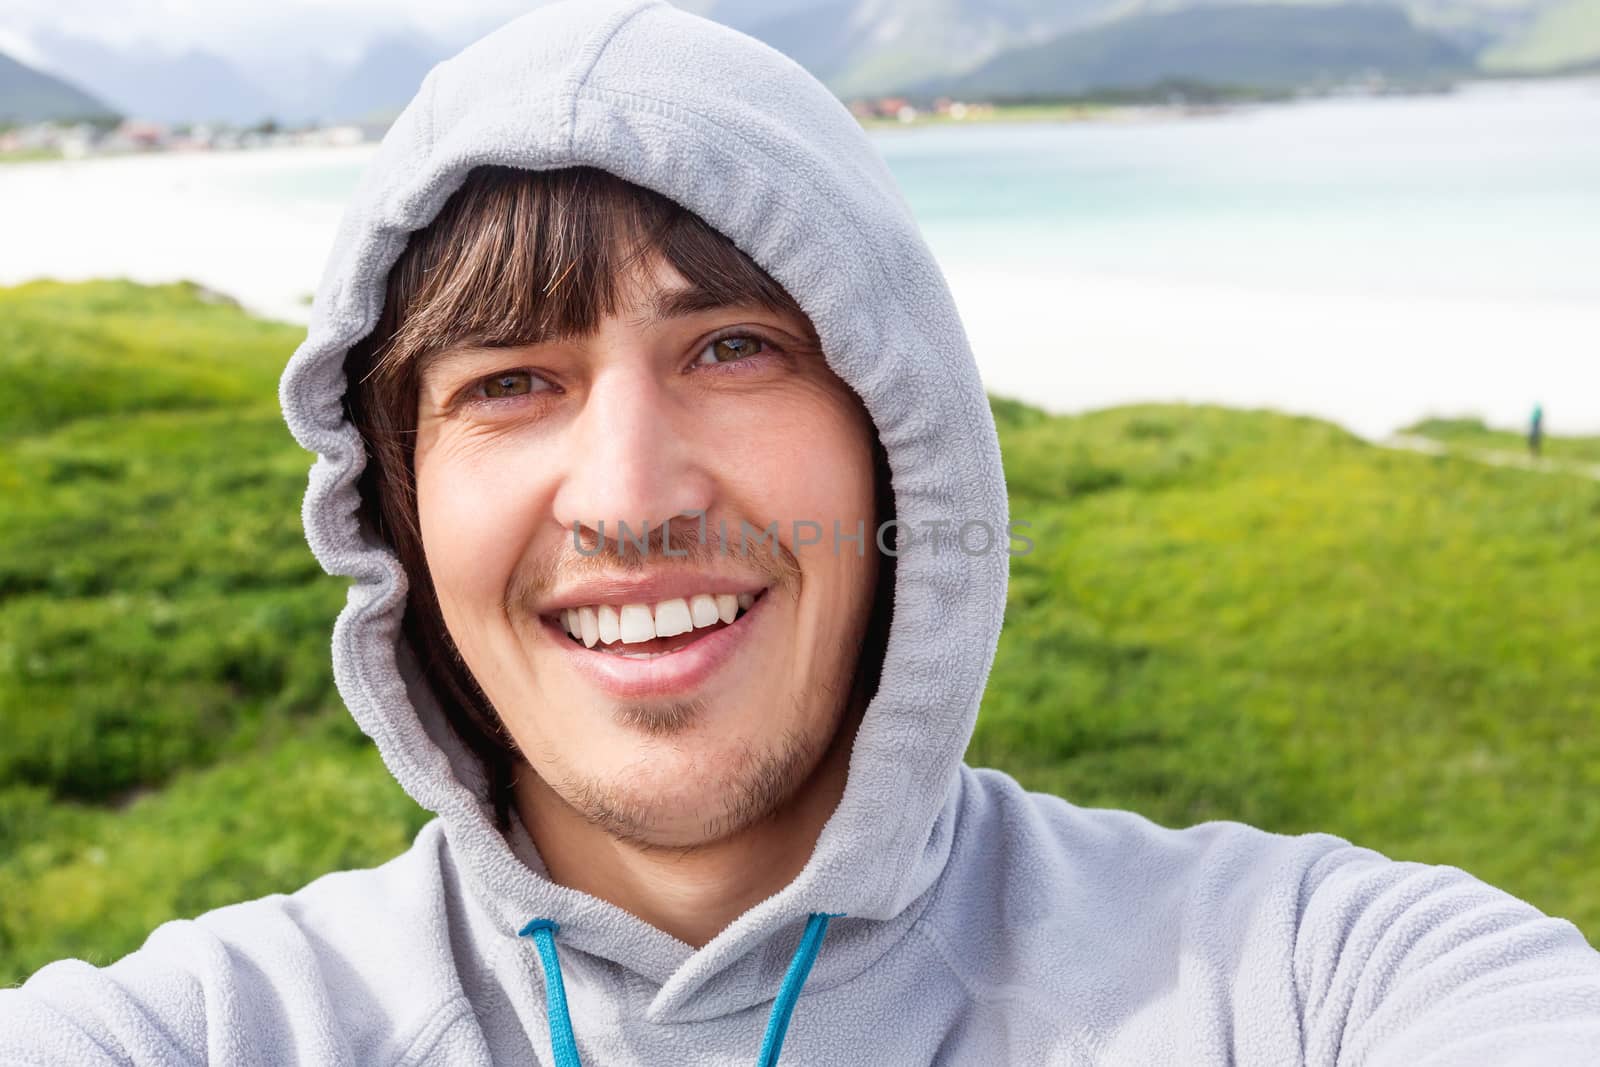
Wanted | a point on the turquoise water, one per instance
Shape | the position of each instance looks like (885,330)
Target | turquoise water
(1368,260)
(1493,189)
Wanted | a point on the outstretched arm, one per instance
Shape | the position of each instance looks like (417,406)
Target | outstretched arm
(1412,965)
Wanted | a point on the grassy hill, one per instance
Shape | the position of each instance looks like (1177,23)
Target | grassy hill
(1247,615)
(1471,434)
(1228,614)
(173,739)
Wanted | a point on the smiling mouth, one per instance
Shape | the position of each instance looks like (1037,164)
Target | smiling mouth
(649,631)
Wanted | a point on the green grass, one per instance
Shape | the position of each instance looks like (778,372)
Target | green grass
(1228,614)
(30,155)
(1471,434)
(1247,615)
(91,883)
(164,630)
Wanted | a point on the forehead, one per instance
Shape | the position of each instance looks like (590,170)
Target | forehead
(641,286)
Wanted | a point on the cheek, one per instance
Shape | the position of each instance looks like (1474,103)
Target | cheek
(471,523)
(833,473)
(808,458)
(823,474)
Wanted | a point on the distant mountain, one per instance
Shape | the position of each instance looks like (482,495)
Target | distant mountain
(1563,37)
(1257,46)
(29,95)
(863,47)
(385,78)
(302,86)
(198,86)
(1475,25)
(881,47)
(743,14)
(192,86)
(818,37)
(872,47)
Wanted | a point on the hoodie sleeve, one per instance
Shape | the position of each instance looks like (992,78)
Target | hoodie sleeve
(357,967)
(190,996)
(1414,965)
(138,1010)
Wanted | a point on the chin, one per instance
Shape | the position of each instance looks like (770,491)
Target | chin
(684,791)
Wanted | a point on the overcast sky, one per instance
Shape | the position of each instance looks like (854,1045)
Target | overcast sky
(250,31)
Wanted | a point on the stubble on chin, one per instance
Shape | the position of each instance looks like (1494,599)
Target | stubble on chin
(756,784)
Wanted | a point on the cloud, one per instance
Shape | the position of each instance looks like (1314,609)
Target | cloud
(248,31)
(22,49)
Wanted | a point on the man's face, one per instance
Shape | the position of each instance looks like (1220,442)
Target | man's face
(660,721)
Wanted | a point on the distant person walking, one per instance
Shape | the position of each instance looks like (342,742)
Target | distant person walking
(1536,430)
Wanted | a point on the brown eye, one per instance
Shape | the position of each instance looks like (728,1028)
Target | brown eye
(511,383)
(731,349)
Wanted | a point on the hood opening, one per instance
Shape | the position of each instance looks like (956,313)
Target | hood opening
(515,256)
(749,144)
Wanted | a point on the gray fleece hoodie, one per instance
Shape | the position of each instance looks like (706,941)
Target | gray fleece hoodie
(946,915)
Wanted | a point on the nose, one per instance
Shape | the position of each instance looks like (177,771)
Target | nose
(634,456)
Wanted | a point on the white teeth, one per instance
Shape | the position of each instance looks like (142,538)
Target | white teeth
(635,624)
(610,628)
(606,624)
(703,609)
(672,618)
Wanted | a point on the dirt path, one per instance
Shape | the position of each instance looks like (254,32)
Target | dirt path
(1497,457)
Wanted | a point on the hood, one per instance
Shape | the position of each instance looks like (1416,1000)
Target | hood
(758,148)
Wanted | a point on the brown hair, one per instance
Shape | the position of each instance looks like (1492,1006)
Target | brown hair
(516,256)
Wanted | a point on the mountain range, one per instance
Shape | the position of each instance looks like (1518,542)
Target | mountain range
(1256,47)
(27,94)
(867,48)
(151,84)
(871,47)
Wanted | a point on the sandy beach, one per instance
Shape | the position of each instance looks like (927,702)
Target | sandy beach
(1072,342)
(215,218)
(258,226)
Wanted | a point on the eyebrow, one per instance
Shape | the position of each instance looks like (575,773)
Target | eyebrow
(664,307)
(681,303)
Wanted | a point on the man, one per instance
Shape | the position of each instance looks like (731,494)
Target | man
(700,789)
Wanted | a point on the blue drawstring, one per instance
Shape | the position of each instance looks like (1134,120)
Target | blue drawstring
(789,992)
(564,1046)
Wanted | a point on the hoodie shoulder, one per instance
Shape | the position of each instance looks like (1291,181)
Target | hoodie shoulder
(358,966)
(1221,941)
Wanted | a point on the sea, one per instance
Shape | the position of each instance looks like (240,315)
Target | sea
(1373,260)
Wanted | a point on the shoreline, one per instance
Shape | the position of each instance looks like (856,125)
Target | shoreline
(1109,351)
(977,113)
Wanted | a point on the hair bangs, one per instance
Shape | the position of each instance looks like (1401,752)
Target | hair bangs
(521,257)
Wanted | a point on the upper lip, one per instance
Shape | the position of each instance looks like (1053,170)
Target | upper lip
(646,589)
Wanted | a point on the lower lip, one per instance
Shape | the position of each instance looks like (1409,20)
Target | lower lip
(669,674)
